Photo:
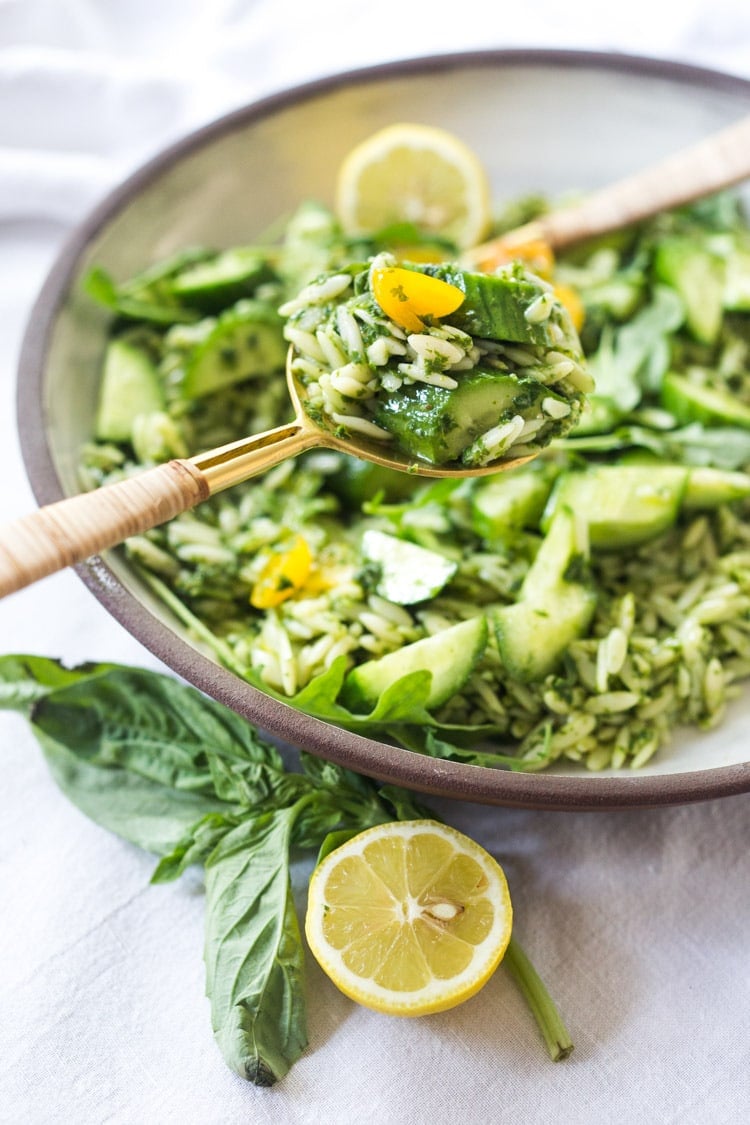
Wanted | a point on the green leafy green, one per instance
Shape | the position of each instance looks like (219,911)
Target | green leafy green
(253,949)
(180,775)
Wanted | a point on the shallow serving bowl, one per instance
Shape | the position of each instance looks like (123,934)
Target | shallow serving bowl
(541,121)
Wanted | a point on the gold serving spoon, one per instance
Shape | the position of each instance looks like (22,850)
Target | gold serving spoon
(71,530)
(68,531)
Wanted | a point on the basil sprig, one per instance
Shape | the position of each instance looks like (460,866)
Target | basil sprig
(182,776)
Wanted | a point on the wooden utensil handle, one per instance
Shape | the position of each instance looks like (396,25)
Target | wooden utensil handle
(709,166)
(71,530)
(717,162)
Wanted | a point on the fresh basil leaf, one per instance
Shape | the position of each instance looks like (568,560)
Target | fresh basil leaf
(404,804)
(24,679)
(334,840)
(195,846)
(253,951)
(152,816)
(163,730)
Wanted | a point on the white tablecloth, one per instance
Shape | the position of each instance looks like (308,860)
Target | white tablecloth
(638,920)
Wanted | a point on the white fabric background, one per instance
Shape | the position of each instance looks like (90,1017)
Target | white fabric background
(638,920)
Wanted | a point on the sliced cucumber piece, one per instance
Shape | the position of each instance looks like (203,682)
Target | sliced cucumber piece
(502,504)
(698,275)
(247,340)
(623,505)
(130,386)
(692,402)
(222,280)
(408,573)
(555,605)
(708,487)
(438,424)
(737,286)
(495,306)
(450,656)
(532,636)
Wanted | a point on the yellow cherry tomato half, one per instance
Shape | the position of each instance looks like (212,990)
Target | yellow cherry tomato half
(408,297)
(284,574)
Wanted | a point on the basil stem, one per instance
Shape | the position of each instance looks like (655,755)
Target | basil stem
(554,1032)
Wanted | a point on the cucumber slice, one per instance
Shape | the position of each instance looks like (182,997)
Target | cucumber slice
(737,286)
(501,505)
(554,608)
(223,280)
(623,505)
(437,425)
(450,656)
(495,306)
(408,573)
(706,487)
(246,341)
(709,488)
(691,402)
(599,415)
(130,386)
(532,636)
(698,275)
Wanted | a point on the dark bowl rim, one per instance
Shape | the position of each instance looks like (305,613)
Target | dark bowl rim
(431,776)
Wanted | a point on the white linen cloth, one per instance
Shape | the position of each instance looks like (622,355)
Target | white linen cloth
(638,920)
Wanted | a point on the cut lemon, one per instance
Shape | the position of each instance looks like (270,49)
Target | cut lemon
(417,174)
(409,917)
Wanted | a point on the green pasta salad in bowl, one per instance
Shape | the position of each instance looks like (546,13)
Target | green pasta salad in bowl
(568,619)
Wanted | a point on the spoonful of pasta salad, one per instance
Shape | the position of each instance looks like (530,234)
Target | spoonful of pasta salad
(431,370)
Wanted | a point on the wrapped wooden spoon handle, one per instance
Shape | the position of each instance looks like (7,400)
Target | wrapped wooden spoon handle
(71,530)
(718,162)
(709,166)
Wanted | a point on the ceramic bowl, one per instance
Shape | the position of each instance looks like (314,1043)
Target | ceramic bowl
(540,121)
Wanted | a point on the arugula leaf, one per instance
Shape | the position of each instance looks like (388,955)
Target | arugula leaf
(723,447)
(253,949)
(141,305)
(632,358)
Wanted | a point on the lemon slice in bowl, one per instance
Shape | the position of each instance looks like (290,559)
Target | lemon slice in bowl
(409,918)
(418,174)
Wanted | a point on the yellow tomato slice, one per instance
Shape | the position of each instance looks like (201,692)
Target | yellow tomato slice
(284,574)
(409,297)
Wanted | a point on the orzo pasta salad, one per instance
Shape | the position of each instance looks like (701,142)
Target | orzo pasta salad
(581,607)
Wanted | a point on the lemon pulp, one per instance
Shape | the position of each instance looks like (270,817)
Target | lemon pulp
(409,918)
(414,173)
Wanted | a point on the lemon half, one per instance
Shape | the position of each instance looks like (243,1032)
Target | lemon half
(418,174)
(409,918)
